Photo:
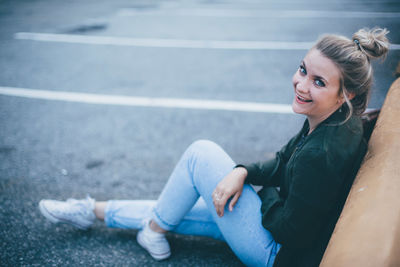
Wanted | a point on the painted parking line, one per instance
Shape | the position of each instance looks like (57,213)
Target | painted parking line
(162,43)
(202,104)
(253,13)
(167,43)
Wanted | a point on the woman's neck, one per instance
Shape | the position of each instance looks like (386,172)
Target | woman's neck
(313,121)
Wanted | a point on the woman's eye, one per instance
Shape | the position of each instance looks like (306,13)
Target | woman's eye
(319,83)
(302,70)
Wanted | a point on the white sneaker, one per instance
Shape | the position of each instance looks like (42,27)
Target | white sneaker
(155,243)
(79,213)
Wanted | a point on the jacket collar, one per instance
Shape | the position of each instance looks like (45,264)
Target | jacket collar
(335,118)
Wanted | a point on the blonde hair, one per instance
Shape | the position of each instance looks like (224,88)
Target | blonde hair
(353,58)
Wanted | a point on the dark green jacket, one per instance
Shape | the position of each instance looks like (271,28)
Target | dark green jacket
(314,173)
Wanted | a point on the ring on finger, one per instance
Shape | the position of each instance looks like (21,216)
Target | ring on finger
(217,198)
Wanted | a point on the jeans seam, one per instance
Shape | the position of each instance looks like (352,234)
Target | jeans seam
(199,220)
(191,165)
(109,215)
(171,226)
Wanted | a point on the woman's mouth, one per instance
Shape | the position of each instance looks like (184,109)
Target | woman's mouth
(302,100)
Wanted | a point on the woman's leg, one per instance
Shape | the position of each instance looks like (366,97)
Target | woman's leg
(198,172)
(203,165)
(99,209)
(133,214)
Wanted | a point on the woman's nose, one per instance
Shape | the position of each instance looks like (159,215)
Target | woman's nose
(302,86)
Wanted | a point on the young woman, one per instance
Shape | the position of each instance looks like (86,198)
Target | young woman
(208,194)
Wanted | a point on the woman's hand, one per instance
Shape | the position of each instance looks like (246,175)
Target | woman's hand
(231,185)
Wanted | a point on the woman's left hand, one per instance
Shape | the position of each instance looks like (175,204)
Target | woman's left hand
(231,185)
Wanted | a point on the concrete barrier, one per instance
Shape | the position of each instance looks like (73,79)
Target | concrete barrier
(368,230)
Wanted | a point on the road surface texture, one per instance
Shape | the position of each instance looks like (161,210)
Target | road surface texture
(102,97)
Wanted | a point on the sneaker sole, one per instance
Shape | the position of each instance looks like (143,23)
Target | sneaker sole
(157,257)
(54,219)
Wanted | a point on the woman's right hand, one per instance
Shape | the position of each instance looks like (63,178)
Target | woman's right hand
(230,186)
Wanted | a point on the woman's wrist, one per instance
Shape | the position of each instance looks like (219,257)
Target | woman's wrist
(242,172)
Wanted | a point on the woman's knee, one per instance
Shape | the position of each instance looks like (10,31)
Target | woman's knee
(205,150)
(203,144)
(208,160)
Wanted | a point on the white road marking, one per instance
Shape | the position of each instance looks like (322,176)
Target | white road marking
(147,101)
(167,43)
(164,43)
(256,13)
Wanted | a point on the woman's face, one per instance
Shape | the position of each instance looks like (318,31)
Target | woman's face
(316,86)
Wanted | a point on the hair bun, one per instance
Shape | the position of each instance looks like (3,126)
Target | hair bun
(373,42)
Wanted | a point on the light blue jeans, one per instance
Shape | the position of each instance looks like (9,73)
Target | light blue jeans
(185,206)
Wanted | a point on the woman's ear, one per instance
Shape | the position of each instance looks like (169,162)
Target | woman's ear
(350,96)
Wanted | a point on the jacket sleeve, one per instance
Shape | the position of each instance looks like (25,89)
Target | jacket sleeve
(295,221)
(264,173)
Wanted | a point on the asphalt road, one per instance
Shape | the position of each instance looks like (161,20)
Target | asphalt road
(61,149)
